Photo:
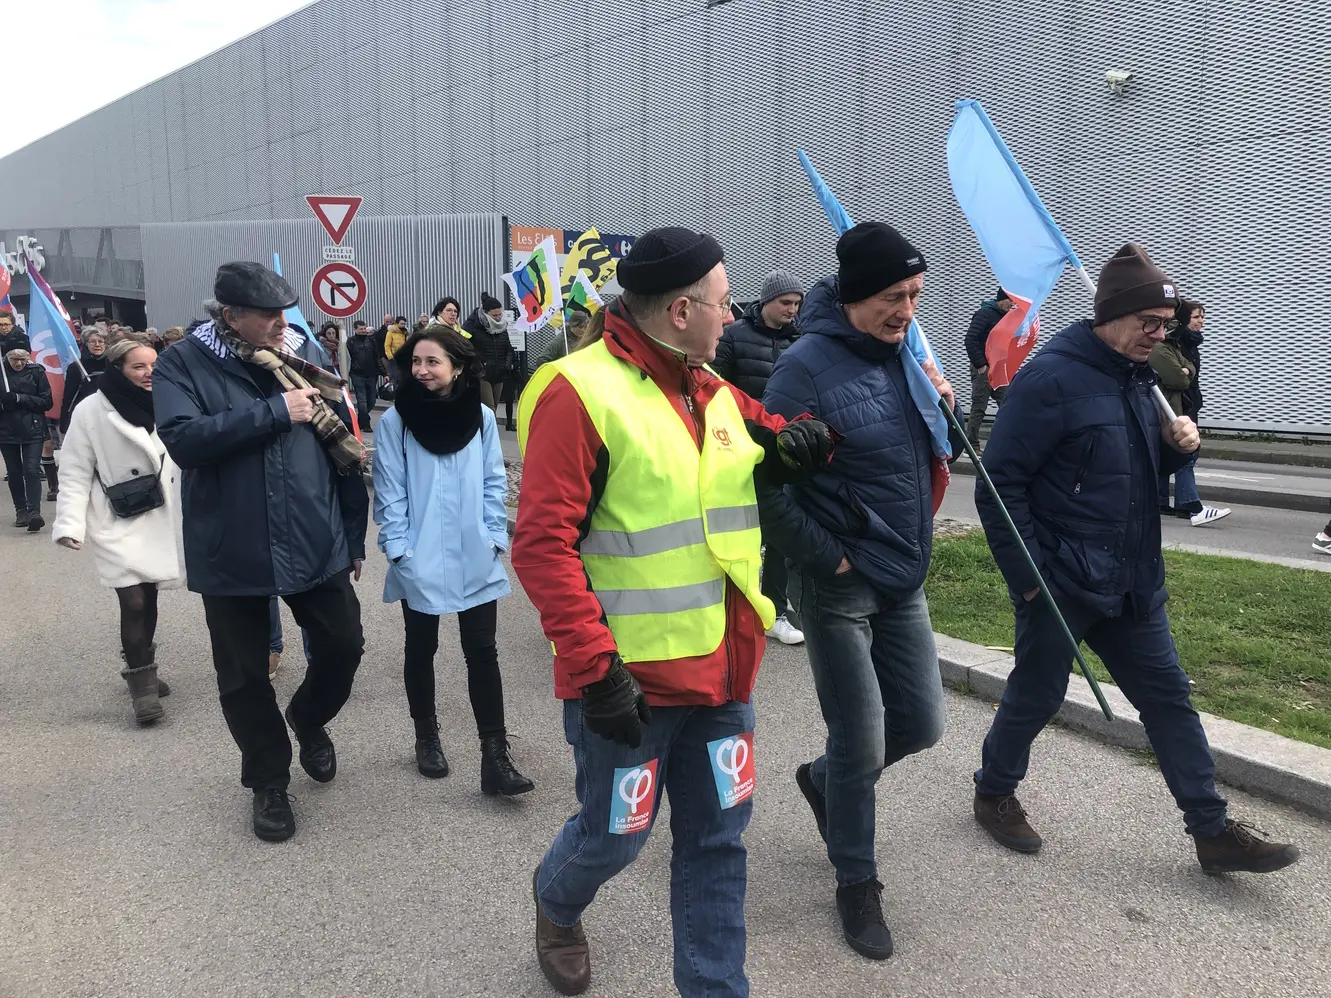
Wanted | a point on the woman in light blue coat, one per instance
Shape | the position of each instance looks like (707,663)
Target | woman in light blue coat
(439,485)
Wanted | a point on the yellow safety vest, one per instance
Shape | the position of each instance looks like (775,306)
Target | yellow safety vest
(672,523)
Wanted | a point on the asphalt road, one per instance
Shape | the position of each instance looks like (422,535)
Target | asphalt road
(128,866)
(1248,532)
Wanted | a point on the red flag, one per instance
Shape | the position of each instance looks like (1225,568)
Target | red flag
(1003,354)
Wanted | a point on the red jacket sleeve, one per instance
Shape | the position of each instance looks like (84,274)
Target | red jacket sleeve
(751,409)
(563,477)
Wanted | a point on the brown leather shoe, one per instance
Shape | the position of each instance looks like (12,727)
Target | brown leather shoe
(1003,818)
(562,953)
(1241,848)
(274,662)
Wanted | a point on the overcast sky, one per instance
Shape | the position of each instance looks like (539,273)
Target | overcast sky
(65,58)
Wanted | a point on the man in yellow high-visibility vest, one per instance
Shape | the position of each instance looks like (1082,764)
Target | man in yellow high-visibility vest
(638,542)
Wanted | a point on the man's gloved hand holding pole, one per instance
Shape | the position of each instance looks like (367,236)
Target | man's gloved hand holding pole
(615,707)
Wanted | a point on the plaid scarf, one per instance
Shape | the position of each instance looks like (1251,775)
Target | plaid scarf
(293,372)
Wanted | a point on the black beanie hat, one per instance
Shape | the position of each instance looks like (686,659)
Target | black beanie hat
(874,256)
(1130,282)
(666,259)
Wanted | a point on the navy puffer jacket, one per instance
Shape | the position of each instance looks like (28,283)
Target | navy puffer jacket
(874,503)
(1075,454)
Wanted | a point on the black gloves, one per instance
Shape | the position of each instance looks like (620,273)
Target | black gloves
(805,445)
(8,400)
(615,707)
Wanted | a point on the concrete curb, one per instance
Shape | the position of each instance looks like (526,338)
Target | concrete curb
(1305,502)
(1268,765)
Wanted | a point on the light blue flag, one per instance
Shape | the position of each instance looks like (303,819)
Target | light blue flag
(922,390)
(1018,236)
(52,339)
(294,318)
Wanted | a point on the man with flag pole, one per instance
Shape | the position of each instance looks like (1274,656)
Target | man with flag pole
(1068,502)
(859,537)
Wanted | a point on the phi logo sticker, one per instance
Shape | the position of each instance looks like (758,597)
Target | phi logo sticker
(633,799)
(732,766)
(1169,291)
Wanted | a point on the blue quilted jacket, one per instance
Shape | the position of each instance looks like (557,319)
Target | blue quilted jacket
(874,503)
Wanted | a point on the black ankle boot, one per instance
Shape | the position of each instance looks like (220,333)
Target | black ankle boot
(52,474)
(429,753)
(499,777)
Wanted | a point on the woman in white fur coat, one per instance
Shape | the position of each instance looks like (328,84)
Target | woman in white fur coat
(112,440)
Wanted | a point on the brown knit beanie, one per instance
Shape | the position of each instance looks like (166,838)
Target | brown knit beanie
(1130,282)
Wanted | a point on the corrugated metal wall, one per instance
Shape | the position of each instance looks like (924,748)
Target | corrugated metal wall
(630,113)
(409,263)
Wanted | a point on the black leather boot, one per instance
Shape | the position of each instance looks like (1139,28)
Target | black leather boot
(499,777)
(429,753)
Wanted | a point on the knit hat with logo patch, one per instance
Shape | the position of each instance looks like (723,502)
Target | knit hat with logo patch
(1129,283)
(874,256)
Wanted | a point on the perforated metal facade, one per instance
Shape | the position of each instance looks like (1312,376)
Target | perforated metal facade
(629,113)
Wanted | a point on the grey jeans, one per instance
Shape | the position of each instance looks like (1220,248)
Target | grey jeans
(875,667)
(981,393)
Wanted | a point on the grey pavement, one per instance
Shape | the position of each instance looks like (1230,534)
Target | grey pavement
(129,868)
(1261,533)
(1250,483)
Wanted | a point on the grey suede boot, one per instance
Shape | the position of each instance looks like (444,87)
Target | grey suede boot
(143,690)
(162,688)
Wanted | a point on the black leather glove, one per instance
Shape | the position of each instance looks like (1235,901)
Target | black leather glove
(805,445)
(615,707)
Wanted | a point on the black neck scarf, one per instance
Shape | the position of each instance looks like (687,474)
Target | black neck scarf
(442,424)
(134,404)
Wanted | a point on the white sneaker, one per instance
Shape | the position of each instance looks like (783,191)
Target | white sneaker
(1209,515)
(786,632)
(1322,543)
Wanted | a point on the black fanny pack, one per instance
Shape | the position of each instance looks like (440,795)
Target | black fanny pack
(135,497)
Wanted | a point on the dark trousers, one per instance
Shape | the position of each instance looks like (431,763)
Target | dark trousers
(774,578)
(23,465)
(492,393)
(239,627)
(1141,656)
(981,393)
(485,686)
(366,391)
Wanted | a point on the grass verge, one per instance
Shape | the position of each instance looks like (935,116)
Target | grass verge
(1253,637)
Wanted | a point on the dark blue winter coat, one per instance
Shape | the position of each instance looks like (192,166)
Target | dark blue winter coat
(1075,454)
(265,511)
(874,503)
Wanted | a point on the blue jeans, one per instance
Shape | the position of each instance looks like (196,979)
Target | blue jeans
(708,863)
(1141,656)
(875,667)
(275,642)
(1185,485)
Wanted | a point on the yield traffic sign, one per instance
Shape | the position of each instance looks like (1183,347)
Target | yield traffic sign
(338,289)
(334,213)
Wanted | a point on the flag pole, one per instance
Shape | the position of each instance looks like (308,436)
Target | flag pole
(1044,593)
(1165,408)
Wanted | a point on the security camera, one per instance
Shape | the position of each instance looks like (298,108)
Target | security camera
(1118,80)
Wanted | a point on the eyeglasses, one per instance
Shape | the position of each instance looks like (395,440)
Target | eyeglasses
(1150,323)
(725,304)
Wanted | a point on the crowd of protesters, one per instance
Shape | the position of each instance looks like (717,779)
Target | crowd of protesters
(765,467)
